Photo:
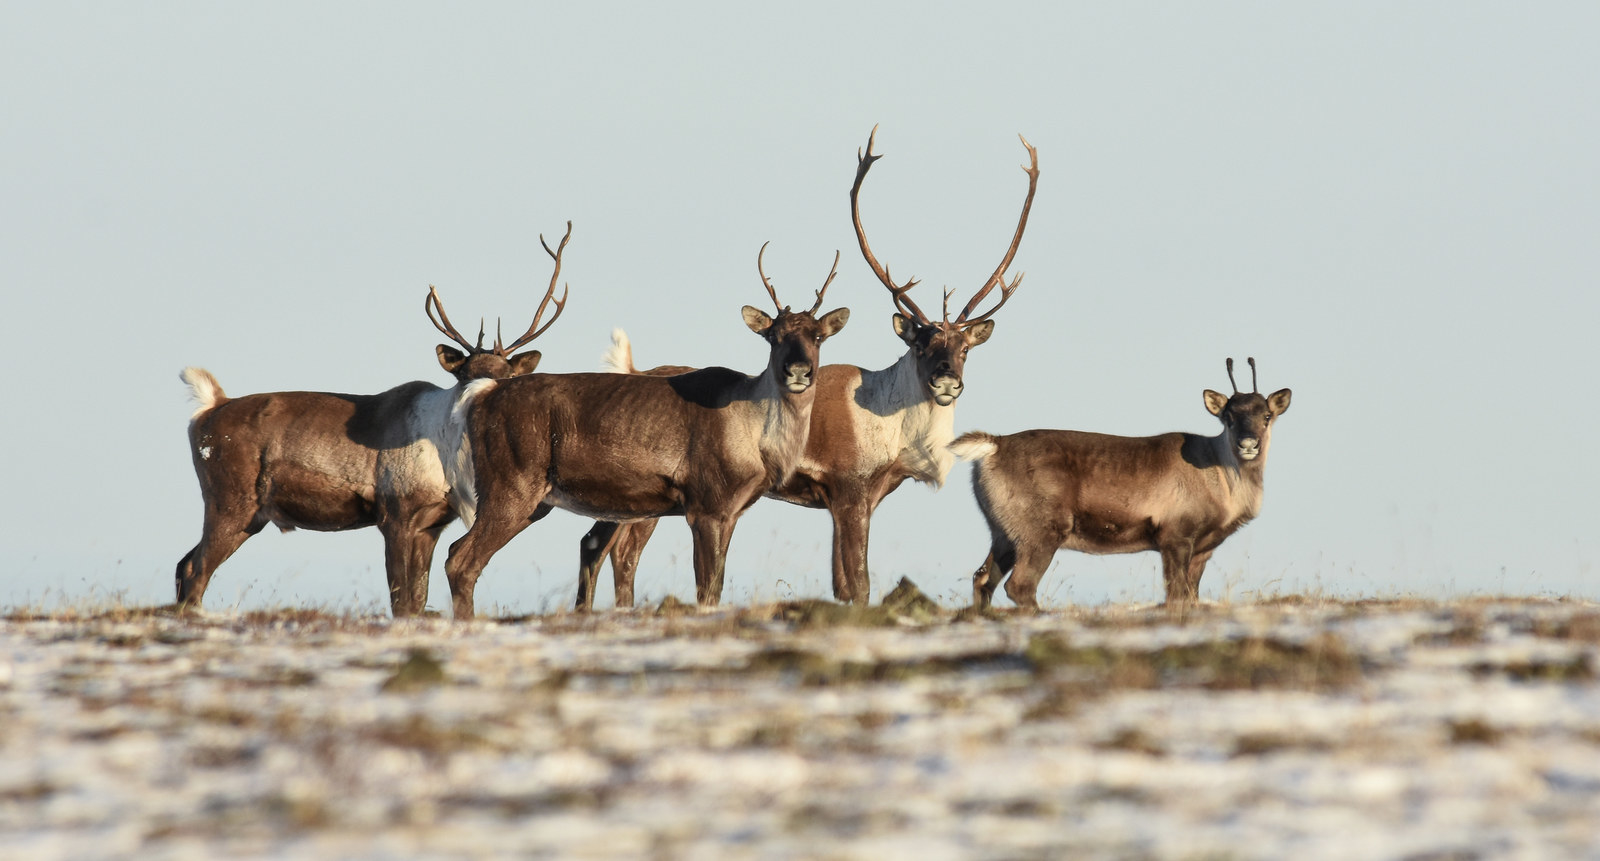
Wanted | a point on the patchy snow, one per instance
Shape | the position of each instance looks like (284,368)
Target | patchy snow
(1312,731)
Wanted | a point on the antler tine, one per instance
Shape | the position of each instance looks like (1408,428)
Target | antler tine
(1254,387)
(1230,376)
(1016,241)
(902,302)
(432,302)
(835,271)
(535,330)
(767,281)
(480,334)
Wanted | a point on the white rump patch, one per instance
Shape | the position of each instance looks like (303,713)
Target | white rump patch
(618,359)
(974,446)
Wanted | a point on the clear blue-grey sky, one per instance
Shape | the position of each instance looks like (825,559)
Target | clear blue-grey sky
(1393,207)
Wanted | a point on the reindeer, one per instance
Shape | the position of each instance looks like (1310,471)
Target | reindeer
(870,430)
(703,445)
(1178,493)
(331,462)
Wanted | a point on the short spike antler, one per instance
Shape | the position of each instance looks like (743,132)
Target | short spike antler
(535,330)
(1254,388)
(1016,240)
(902,302)
(832,272)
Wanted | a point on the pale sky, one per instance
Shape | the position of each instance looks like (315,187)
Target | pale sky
(1393,207)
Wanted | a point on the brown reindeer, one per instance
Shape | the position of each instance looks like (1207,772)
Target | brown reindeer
(1178,493)
(703,445)
(330,462)
(870,430)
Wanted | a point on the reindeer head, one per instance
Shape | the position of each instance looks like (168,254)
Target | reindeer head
(1247,416)
(796,337)
(497,362)
(940,347)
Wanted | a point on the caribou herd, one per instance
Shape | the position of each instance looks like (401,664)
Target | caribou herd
(505,445)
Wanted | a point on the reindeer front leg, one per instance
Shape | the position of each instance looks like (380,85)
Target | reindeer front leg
(852,583)
(711,532)
(626,548)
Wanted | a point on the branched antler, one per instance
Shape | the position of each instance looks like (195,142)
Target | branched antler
(535,330)
(432,302)
(902,302)
(832,272)
(1016,240)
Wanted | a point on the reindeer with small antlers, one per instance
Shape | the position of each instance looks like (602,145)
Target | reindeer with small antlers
(330,462)
(702,445)
(1181,494)
(870,430)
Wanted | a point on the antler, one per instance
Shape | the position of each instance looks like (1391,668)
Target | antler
(1016,240)
(767,281)
(832,272)
(902,302)
(432,302)
(535,330)
(1254,387)
(1230,376)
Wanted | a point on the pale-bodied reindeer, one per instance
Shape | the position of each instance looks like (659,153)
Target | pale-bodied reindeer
(702,445)
(330,462)
(1178,493)
(870,430)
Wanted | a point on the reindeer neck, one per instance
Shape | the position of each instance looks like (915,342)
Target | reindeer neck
(1242,481)
(785,423)
(900,402)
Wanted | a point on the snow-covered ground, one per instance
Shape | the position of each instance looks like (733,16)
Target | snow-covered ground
(1283,730)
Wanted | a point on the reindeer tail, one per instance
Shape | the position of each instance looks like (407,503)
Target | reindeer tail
(974,445)
(619,359)
(204,388)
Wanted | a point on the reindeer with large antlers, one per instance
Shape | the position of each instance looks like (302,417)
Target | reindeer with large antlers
(1181,494)
(702,445)
(870,430)
(330,462)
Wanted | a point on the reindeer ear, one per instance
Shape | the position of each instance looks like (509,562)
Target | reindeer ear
(906,329)
(1215,402)
(833,321)
(524,363)
(980,333)
(1278,402)
(757,320)
(450,358)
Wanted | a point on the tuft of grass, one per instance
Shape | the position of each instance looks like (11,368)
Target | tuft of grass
(421,670)
(1250,663)
(1474,731)
(1578,669)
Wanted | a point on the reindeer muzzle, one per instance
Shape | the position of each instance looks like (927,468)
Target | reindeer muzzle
(1249,448)
(945,389)
(797,377)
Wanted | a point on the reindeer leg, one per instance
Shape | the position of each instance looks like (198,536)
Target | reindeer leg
(591,555)
(221,535)
(1175,557)
(1191,580)
(1031,563)
(626,548)
(494,527)
(711,536)
(851,523)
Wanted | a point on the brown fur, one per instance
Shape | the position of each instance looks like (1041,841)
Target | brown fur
(1180,494)
(702,445)
(331,462)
